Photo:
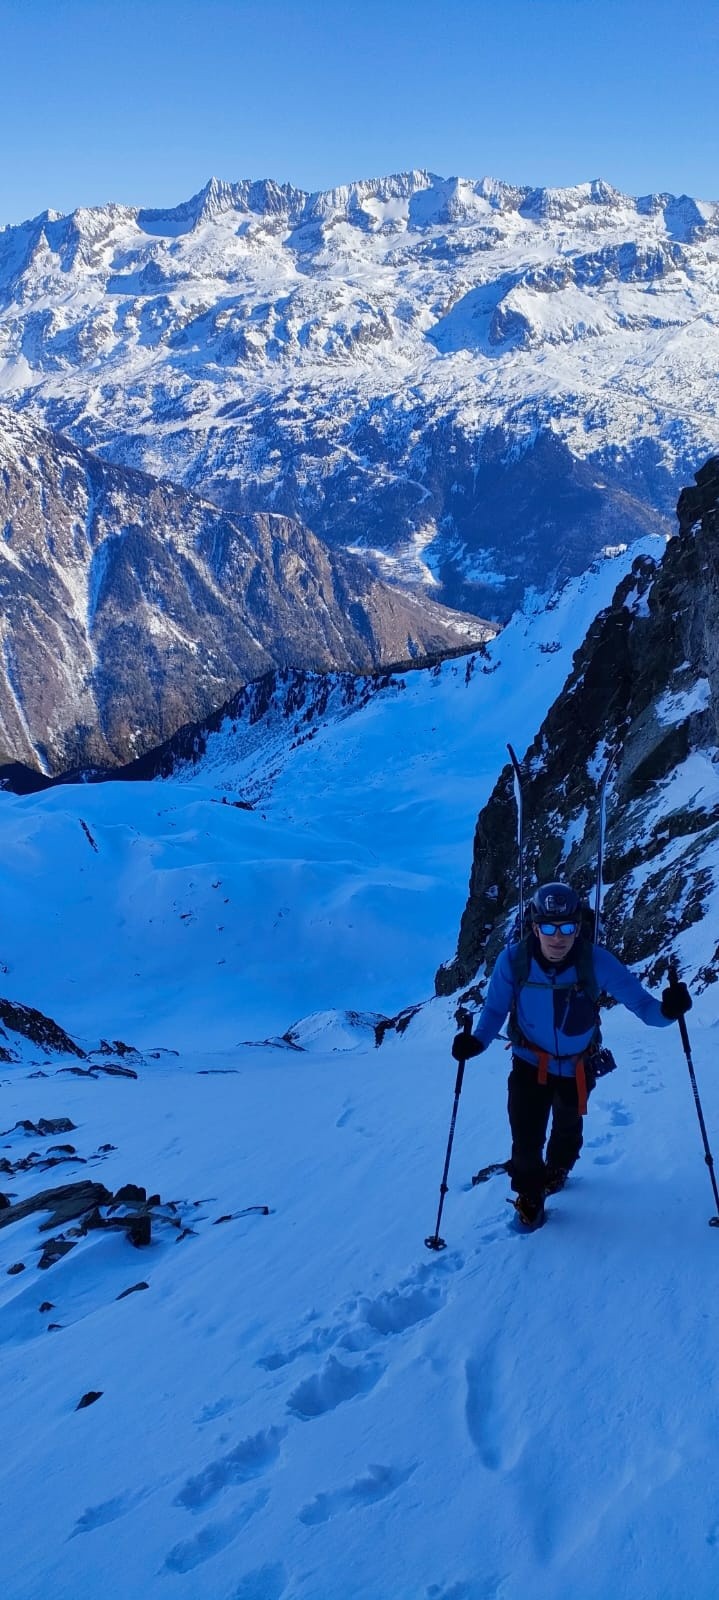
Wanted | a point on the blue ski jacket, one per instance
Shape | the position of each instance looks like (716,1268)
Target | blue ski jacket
(552,1011)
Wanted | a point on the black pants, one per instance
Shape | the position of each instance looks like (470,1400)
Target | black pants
(529,1104)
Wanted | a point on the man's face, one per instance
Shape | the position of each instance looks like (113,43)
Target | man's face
(555,945)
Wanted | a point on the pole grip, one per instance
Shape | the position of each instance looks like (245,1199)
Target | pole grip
(683,1030)
(466,1029)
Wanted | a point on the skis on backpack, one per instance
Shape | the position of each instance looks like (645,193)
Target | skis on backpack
(602,825)
(601,829)
(520,834)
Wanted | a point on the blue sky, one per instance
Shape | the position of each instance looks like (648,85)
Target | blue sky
(142,101)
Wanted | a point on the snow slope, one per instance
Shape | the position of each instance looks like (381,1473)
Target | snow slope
(307,1404)
(188,919)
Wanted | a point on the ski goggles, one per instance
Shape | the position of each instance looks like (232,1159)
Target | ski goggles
(548,928)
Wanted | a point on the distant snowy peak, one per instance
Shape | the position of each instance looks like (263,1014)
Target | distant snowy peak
(417,199)
(378,359)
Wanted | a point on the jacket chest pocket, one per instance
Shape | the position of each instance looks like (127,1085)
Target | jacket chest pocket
(574,1012)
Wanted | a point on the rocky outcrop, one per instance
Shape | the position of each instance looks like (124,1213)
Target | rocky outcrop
(23,1024)
(644,684)
(26,1033)
(130,607)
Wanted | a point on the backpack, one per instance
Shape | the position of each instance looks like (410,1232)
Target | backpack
(602,1060)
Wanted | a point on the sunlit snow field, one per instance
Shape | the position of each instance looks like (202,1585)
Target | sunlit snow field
(194,924)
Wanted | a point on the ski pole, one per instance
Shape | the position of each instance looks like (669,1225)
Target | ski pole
(434,1242)
(674,980)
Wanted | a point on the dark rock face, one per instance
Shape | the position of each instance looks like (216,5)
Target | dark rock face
(31,1025)
(131,607)
(65,1203)
(645,683)
(526,517)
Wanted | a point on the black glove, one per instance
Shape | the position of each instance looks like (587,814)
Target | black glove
(675,1001)
(465,1045)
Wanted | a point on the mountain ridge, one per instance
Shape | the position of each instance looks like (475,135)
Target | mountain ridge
(131,607)
(374,359)
(275,197)
(644,685)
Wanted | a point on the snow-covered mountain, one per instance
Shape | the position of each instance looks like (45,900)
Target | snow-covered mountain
(280,1394)
(283,1395)
(485,383)
(131,607)
(184,914)
(645,687)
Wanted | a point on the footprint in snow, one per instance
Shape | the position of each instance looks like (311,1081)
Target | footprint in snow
(331,1387)
(319,1341)
(608,1156)
(620,1117)
(109,1511)
(395,1311)
(378,1484)
(210,1413)
(492,1422)
(348,1116)
(248,1460)
(264,1583)
(215,1536)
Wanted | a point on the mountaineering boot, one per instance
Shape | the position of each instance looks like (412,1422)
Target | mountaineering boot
(555,1179)
(530,1212)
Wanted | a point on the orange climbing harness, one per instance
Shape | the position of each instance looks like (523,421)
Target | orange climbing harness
(543,1060)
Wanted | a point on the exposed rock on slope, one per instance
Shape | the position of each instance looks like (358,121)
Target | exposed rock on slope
(646,684)
(260,713)
(130,607)
(22,1024)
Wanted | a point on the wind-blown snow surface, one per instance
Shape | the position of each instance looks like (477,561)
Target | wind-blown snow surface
(308,1405)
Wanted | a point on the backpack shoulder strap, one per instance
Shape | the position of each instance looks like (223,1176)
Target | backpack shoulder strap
(586,975)
(521,960)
